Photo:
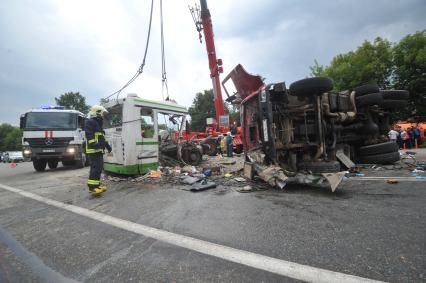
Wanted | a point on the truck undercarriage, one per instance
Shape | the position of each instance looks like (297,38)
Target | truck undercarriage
(309,128)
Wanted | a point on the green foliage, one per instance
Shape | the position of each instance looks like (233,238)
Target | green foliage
(147,129)
(10,138)
(103,101)
(410,71)
(390,66)
(201,109)
(162,127)
(73,100)
(234,113)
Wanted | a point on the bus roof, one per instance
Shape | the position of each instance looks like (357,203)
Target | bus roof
(142,102)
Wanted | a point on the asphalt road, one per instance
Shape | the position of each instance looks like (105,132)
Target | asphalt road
(369,229)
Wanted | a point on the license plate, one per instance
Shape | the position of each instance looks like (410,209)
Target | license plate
(48,150)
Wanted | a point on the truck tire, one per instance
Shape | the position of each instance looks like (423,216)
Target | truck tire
(311,86)
(366,89)
(320,166)
(68,162)
(383,158)
(374,149)
(39,165)
(238,149)
(191,156)
(210,147)
(53,164)
(369,99)
(82,161)
(395,94)
(393,104)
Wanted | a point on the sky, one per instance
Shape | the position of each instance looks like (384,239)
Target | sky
(49,47)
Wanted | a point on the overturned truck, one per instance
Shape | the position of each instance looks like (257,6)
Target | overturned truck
(308,127)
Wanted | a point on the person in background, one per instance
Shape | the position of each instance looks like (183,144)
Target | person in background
(405,139)
(393,135)
(410,132)
(223,144)
(417,136)
(229,145)
(399,138)
(233,129)
(6,157)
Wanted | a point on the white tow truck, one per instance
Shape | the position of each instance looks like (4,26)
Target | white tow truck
(52,134)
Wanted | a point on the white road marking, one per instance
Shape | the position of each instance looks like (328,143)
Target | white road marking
(411,179)
(273,265)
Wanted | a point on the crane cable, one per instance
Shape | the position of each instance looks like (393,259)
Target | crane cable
(164,85)
(140,69)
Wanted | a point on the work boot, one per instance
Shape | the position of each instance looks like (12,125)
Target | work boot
(103,187)
(95,191)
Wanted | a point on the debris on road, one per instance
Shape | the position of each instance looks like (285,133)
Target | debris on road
(189,180)
(228,162)
(155,174)
(175,152)
(273,175)
(392,181)
(245,189)
(189,169)
(235,173)
(201,186)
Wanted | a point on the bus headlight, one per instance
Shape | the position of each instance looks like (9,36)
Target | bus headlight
(27,151)
(71,150)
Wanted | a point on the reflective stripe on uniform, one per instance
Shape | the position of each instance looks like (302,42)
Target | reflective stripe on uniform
(93,182)
(95,140)
(91,150)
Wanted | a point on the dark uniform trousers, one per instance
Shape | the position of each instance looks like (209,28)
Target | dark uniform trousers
(96,164)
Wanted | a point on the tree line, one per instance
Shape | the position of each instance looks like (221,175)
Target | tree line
(203,107)
(400,65)
(11,137)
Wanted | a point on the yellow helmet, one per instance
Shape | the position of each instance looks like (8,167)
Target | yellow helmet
(97,111)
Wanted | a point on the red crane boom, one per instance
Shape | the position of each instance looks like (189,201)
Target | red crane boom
(215,65)
(209,139)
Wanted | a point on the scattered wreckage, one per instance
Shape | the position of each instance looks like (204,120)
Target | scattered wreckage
(139,132)
(305,133)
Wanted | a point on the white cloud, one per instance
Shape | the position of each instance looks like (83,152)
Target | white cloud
(49,47)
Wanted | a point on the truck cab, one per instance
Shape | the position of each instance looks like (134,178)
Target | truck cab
(51,135)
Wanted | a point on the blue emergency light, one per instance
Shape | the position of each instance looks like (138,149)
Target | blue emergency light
(47,107)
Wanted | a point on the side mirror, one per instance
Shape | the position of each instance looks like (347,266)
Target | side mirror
(22,121)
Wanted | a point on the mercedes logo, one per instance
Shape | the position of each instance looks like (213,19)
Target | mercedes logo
(48,141)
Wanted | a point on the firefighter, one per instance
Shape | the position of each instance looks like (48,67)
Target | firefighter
(229,145)
(95,146)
